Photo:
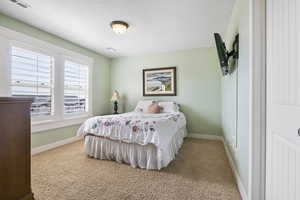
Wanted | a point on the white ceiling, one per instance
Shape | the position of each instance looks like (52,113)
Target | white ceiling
(155,25)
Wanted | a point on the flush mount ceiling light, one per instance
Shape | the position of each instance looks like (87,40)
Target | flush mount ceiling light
(20,3)
(119,27)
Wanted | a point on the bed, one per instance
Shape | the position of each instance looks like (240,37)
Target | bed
(149,141)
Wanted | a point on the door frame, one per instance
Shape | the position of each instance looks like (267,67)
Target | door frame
(257,108)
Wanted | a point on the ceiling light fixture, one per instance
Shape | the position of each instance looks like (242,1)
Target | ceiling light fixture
(20,3)
(119,27)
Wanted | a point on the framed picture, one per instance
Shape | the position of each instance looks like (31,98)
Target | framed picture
(159,81)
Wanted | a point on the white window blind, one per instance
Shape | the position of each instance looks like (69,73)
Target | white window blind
(76,88)
(31,76)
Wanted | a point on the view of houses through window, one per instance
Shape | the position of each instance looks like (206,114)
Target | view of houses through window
(76,87)
(32,75)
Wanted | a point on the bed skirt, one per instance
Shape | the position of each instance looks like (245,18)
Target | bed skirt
(142,156)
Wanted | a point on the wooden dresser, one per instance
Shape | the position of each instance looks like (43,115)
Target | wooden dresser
(15,149)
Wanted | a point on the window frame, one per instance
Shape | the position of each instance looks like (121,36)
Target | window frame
(89,105)
(12,38)
(42,51)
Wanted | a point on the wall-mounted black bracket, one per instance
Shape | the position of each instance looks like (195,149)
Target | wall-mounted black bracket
(235,49)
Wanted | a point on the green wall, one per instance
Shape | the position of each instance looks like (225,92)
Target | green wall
(101,91)
(53,135)
(235,92)
(198,84)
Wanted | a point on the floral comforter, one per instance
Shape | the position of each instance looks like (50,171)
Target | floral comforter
(135,127)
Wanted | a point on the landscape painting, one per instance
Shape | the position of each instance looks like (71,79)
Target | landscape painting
(159,81)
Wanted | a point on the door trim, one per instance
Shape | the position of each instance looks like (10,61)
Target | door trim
(257,136)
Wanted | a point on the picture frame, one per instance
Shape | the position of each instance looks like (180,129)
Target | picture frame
(159,81)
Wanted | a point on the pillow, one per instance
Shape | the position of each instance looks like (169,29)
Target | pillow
(154,108)
(143,105)
(169,107)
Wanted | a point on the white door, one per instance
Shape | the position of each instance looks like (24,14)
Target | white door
(283,100)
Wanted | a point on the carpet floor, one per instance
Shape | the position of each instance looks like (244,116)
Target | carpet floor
(201,171)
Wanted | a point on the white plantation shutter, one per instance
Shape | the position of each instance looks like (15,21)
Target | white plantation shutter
(31,76)
(76,88)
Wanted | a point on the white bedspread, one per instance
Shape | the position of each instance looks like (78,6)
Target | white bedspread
(140,128)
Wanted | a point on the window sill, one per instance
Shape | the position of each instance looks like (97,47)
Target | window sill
(55,124)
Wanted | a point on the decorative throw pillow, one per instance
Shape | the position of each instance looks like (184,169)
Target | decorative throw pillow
(169,107)
(143,105)
(154,108)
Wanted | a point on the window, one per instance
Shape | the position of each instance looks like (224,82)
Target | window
(75,88)
(57,79)
(32,76)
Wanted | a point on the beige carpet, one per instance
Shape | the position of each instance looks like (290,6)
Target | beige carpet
(201,171)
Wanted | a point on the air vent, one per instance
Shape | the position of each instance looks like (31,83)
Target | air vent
(20,3)
(111,49)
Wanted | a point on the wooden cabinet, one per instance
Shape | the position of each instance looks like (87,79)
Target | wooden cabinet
(15,149)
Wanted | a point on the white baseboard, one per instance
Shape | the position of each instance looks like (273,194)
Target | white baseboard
(205,137)
(240,185)
(54,145)
(239,182)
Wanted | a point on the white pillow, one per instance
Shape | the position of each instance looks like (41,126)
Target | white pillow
(169,107)
(143,105)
